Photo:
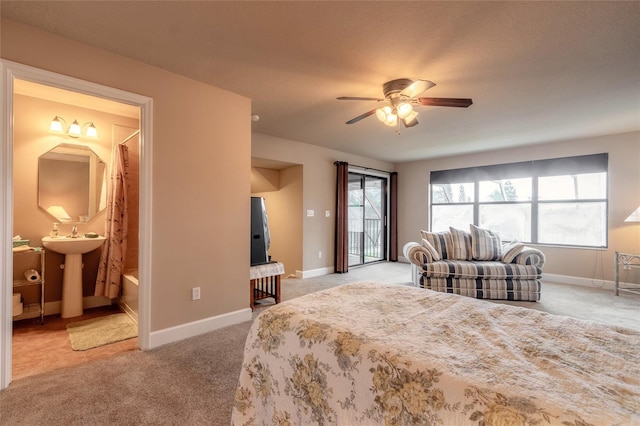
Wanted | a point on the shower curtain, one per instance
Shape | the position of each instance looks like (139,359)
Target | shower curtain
(112,258)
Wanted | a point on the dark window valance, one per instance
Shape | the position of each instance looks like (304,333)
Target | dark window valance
(593,163)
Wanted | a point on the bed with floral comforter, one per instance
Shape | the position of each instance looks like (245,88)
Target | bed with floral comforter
(366,354)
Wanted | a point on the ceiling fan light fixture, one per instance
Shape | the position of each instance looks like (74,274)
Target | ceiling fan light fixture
(404,109)
(387,115)
(411,116)
(410,120)
(392,121)
(382,113)
(401,95)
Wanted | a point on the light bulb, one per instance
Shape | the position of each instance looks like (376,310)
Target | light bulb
(74,129)
(92,132)
(383,113)
(387,115)
(56,125)
(404,109)
(392,120)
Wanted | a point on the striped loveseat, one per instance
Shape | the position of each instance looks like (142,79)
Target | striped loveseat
(475,264)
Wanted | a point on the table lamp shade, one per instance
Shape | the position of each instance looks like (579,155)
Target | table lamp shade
(634,217)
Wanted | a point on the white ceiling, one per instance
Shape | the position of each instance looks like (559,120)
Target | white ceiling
(536,71)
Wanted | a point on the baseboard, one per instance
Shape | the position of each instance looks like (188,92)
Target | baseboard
(52,308)
(330,270)
(184,331)
(586,282)
(315,272)
(95,301)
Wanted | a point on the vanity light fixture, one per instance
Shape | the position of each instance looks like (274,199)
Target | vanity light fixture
(75,131)
(58,124)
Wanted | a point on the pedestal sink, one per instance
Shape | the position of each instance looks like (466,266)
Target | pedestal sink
(73,249)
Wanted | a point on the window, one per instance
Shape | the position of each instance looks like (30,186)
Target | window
(561,201)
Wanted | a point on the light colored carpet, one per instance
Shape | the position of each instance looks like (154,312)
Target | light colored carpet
(92,333)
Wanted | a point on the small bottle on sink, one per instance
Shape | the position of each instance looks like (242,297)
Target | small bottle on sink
(54,232)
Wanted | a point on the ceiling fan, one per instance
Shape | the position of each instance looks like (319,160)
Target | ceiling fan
(400,96)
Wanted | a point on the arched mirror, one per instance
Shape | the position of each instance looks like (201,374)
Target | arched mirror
(71,183)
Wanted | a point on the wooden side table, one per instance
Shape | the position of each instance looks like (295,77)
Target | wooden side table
(627,261)
(264,282)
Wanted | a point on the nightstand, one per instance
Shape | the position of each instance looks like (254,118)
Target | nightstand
(627,261)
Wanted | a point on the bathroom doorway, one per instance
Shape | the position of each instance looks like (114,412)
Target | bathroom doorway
(74,175)
(72,88)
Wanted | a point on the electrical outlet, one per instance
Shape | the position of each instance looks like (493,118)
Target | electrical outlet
(195,293)
(327,213)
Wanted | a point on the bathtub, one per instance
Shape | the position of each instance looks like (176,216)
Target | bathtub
(129,299)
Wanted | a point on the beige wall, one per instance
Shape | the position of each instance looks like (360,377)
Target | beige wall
(201,141)
(318,183)
(264,180)
(624,197)
(283,201)
(32,139)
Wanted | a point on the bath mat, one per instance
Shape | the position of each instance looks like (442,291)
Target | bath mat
(92,333)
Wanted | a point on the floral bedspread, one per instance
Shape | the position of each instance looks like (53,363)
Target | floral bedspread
(366,353)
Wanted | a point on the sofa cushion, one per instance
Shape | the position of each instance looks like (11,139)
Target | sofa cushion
(440,241)
(510,289)
(511,250)
(461,244)
(480,270)
(485,244)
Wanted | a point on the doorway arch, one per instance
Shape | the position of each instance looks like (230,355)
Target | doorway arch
(11,71)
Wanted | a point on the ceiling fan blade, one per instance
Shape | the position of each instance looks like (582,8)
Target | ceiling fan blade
(356,98)
(417,87)
(446,102)
(361,116)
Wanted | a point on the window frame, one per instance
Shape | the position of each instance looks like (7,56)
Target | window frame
(585,164)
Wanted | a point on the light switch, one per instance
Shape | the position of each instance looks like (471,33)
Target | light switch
(310,213)
(327,213)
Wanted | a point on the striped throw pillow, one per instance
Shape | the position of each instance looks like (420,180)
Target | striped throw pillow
(440,241)
(485,244)
(461,244)
(434,253)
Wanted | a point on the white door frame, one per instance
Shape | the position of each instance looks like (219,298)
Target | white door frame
(10,71)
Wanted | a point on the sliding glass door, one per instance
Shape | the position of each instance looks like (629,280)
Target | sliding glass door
(367,218)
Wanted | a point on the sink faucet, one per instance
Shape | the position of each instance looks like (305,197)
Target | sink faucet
(74,232)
